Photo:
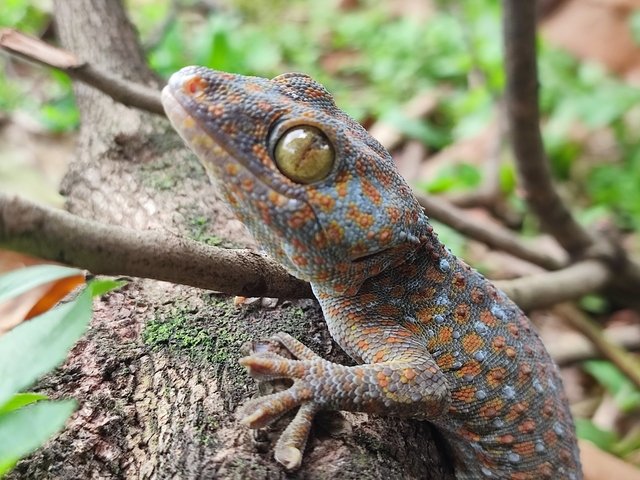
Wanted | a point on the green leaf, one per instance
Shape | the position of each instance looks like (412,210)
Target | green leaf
(594,303)
(623,391)
(99,287)
(36,347)
(455,177)
(23,431)
(22,280)
(20,400)
(587,430)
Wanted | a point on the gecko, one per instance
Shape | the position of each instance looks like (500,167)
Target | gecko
(432,339)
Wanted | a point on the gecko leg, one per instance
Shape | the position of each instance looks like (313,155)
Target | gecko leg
(409,386)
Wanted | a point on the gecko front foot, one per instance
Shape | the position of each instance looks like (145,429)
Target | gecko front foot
(410,385)
(259,412)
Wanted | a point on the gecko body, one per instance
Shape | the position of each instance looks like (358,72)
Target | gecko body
(433,338)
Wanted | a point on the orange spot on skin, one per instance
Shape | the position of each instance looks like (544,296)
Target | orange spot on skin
(528,426)
(383,380)
(370,191)
(488,319)
(464,394)
(477,295)
(445,361)
(275,198)
(506,439)
(216,109)
(498,343)
(525,449)
(548,408)
(298,218)
(385,236)
(325,202)
(434,275)
(459,281)
(445,335)
(362,219)
(550,438)
(491,408)
(470,369)
(513,330)
(231,200)
(261,153)
(394,214)
(232,169)
(300,260)
(342,184)
(516,411)
(265,214)
(461,313)
(229,129)
(380,356)
(371,331)
(335,232)
(248,184)
(496,376)
(409,373)
(472,342)
(510,352)
(524,373)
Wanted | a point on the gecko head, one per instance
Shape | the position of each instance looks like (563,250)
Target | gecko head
(315,189)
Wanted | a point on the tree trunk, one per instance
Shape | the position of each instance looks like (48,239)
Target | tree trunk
(156,377)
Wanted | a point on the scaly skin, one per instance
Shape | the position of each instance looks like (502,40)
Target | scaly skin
(434,339)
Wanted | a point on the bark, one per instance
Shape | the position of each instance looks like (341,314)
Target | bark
(156,377)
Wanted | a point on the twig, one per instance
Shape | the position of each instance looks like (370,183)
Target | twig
(495,237)
(111,250)
(612,352)
(549,288)
(521,96)
(128,93)
(571,347)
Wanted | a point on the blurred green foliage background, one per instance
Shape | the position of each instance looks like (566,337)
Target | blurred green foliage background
(373,62)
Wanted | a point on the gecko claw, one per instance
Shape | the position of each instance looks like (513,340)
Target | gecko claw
(289,457)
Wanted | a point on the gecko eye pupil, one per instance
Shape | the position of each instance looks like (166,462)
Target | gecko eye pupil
(304,154)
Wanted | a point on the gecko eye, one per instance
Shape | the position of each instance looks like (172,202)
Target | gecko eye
(304,154)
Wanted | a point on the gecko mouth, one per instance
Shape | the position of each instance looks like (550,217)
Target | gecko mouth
(370,256)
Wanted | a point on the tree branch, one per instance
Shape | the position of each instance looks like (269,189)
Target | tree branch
(571,347)
(494,237)
(111,250)
(521,96)
(128,93)
(546,289)
(609,350)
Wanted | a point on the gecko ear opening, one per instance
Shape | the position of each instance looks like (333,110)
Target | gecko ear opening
(304,154)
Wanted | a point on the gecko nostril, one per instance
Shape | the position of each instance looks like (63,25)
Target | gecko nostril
(194,85)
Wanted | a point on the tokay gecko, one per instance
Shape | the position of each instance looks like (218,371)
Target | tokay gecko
(433,339)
